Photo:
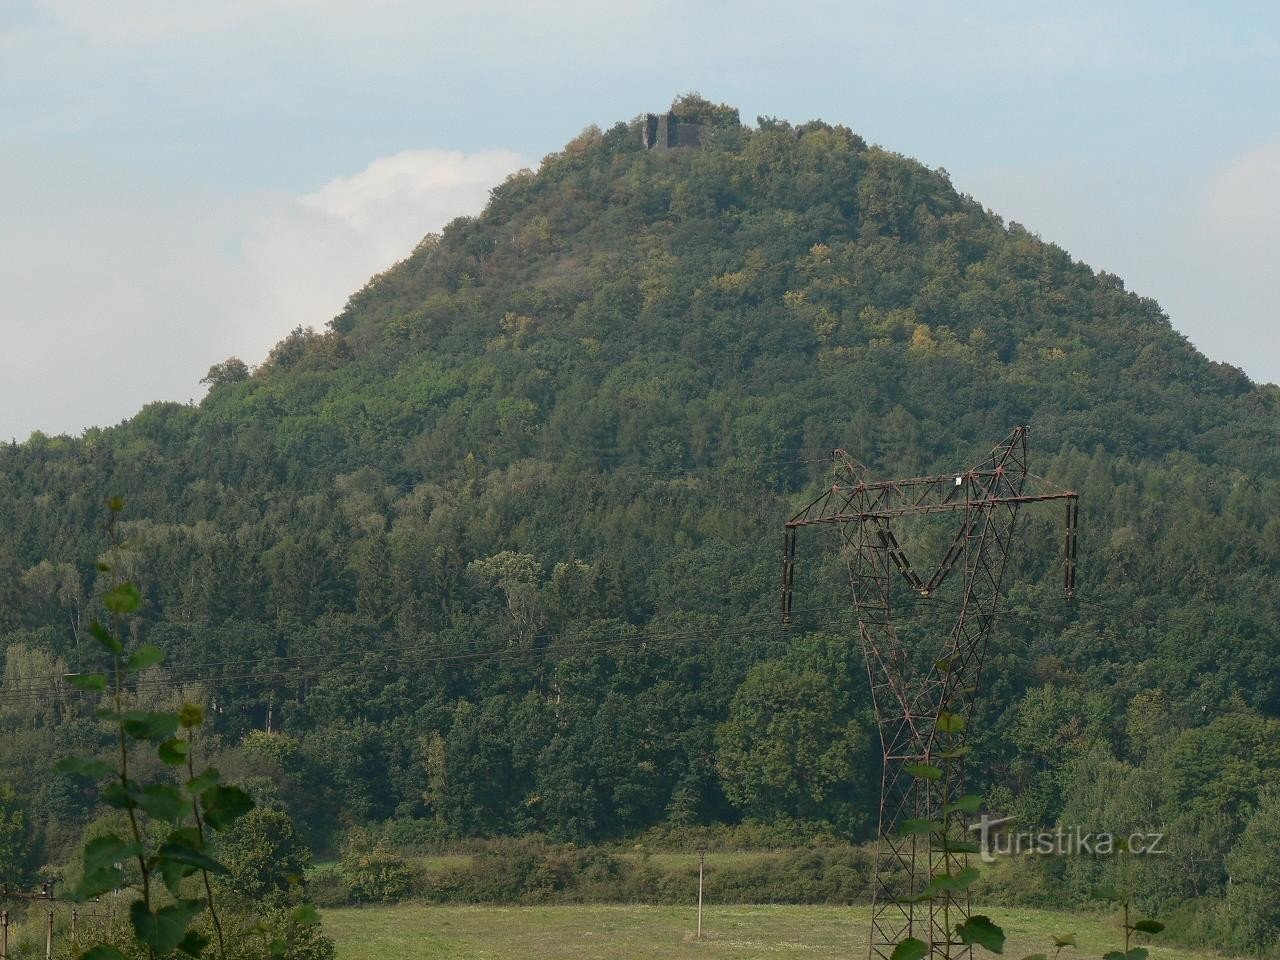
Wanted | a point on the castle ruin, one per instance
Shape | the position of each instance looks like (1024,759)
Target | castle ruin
(666,131)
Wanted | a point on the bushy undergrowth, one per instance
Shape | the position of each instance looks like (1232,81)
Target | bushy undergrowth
(531,871)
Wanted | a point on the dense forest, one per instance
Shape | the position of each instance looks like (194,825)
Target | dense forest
(496,552)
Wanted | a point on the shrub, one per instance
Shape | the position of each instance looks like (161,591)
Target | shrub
(373,871)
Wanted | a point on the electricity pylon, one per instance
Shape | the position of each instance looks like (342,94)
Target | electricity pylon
(909,699)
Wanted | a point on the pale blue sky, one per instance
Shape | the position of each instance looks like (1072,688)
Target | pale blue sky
(183,181)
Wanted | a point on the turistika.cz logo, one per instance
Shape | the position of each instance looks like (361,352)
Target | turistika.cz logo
(1063,841)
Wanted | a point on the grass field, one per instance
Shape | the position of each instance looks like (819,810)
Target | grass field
(417,932)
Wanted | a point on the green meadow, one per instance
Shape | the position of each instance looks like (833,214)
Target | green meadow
(629,932)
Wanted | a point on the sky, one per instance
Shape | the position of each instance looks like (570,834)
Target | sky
(182,182)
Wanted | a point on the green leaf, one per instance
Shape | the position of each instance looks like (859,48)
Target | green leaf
(123,599)
(87,681)
(203,782)
(966,878)
(172,868)
(105,637)
(89,767)
(108,851)
(173,873)
(910,949)
(147,655)
(956,846)
(115,504)
(193,943)
(955,754)
(189,855)
(174,752)
(191,715)
(1105,893)
(115,795)
(224,805)
(1065,940)
(102,952)
(145,725)
(161,801)
(1148,926)
(950,723)
(97,883)
(979,930)
(923,771)
(164,929)
(919,826)
(952,882)
(305,915)
(969,803)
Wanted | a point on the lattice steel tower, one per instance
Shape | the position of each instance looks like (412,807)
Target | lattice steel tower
(909,698)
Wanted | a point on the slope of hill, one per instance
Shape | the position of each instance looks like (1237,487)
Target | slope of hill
(567,430)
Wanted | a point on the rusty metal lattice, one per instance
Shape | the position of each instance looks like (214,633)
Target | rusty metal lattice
(909,700)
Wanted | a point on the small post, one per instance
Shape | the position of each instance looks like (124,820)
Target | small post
(48,938)
(74,914)
(702,861)
(4,935)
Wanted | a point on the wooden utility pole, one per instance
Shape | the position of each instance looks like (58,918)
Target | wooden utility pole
(702,861)
(46,893)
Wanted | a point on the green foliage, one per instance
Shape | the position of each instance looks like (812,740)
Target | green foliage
(1253,899)
(265,860)
(283,934)
(910,949)
(791,747)
(491,549)
(231,370)
(948,887)
(373,871)
(178,814)
(1220,767)
(980,931)
(13,837)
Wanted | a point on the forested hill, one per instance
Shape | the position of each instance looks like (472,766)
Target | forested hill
(569,429)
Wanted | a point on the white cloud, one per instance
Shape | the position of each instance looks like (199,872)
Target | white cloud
(115,291)
(308,256)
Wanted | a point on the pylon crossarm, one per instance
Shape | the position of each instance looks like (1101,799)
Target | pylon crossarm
(806,518)
(1001,477)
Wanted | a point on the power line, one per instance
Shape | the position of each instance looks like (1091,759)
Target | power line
(38,688)
(270,669)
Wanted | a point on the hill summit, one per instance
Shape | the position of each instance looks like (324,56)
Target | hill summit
(497,550)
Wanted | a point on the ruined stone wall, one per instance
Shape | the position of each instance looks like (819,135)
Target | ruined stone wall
(666,131)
